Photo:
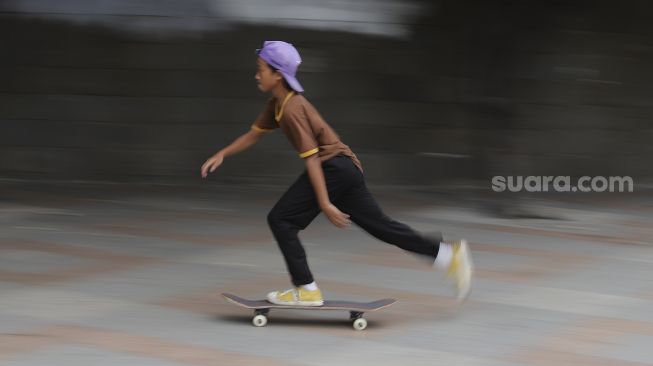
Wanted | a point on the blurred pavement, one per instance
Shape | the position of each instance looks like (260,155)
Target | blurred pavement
(107,274)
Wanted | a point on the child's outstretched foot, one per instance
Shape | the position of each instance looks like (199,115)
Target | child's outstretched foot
(456,260)
(297,296)
(461,269)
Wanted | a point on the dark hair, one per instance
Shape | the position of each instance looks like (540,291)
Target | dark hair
(284,79)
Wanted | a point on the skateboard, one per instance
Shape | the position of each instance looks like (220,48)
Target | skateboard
(356,309)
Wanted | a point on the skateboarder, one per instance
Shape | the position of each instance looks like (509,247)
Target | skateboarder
(333,183)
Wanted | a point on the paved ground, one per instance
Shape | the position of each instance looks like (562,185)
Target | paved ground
(131,275)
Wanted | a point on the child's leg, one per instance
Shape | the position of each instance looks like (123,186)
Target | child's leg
(296,209)
(293,212)
(363,209)
(455,258)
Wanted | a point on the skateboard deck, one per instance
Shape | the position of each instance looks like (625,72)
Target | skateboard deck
(356,309)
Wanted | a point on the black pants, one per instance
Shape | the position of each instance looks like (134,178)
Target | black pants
(347,190)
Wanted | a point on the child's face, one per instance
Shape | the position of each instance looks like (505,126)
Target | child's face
(266,78)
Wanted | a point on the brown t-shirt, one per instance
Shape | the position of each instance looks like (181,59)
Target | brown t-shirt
(306,130)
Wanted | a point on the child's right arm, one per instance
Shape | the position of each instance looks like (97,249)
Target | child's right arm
(241,143)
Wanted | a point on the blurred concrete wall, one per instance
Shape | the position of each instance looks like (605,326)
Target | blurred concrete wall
(465,90)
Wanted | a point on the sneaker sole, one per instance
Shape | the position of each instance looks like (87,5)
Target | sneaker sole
(311,303)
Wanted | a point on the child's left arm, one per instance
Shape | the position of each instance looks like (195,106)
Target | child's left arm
(316,175)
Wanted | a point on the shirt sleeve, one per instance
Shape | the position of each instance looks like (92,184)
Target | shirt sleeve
(300,133)
(265,122)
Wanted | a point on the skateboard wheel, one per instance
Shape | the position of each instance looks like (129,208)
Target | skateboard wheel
(360,324)
(260,320)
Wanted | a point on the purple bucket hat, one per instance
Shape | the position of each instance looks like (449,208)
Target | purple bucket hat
(284,57)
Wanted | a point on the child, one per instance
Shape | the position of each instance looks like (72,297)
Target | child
(333,181)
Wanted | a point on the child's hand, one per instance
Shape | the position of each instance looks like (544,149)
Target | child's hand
(337,217)
(211,164)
